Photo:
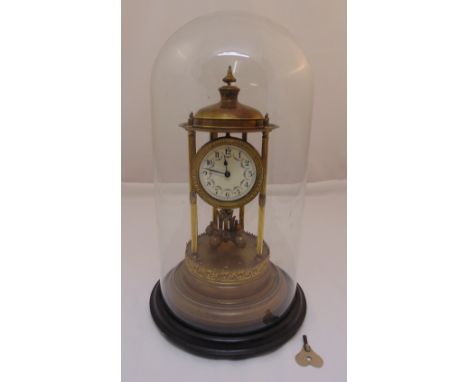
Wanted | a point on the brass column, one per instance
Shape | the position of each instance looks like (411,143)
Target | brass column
(241,208)
(262,195)
(241,216)
(193,195)
(213,136)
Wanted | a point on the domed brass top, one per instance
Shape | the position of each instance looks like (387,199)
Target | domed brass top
(228,113)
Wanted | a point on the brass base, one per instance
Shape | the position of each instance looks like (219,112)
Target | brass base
(228,346)
(227,289)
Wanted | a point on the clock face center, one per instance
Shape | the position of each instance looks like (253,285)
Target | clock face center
(227,172)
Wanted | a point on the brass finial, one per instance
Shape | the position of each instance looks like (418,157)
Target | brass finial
(229,77)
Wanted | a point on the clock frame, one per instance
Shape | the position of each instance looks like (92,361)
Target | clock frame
(229,141)
(226,298)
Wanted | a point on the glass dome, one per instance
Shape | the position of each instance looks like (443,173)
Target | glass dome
(237,82)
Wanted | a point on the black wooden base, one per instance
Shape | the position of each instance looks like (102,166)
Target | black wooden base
(228,346)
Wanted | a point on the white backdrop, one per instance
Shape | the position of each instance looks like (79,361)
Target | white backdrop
(318,26)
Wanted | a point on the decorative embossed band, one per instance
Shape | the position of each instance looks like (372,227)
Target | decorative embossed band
(220,275)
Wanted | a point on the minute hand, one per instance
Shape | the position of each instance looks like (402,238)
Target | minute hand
(218,172)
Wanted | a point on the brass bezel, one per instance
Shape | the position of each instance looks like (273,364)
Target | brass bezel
(232,142)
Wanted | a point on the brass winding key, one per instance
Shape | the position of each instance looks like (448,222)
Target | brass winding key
(307,356)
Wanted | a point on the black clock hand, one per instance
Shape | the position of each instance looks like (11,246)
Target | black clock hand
(216,171)
(227,174)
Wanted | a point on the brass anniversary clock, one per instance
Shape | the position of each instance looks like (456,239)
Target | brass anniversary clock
(226,298)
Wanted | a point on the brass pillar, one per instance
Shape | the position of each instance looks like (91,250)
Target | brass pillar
(241,208)
(213,136)
(193,195)
(262,195)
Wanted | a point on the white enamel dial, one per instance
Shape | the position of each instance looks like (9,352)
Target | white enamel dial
(227,172)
